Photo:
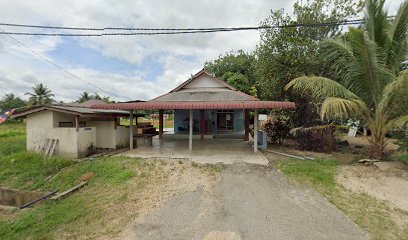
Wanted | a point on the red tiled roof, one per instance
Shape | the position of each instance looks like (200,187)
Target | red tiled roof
(195,105)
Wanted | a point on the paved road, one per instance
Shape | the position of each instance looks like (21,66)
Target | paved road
(250,202)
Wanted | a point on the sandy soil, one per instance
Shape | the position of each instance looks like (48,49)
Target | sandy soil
(363,142)
(387,181)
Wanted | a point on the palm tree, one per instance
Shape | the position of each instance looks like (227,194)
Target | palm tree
(41,95)
(9,97)
(372,82)
(85,96)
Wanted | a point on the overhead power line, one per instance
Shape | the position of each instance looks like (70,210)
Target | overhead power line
(61,68)
(173,29)
(124,31)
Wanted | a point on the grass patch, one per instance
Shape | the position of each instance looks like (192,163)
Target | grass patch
(77,214)
(372,215)
(320,173)
(70,214)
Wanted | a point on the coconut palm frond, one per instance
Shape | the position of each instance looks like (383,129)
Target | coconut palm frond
(373,75)
(399,122)
(319,88)
(333,107)
(377,22)
(340,56)
(392,91)
(396,51)
(41,95)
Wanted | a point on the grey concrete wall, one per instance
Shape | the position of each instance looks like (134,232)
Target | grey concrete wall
(12,197)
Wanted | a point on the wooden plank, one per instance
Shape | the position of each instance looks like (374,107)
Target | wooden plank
(69,191)
(47,148)
(55,141)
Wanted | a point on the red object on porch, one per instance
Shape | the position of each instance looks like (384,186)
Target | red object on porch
(195,105)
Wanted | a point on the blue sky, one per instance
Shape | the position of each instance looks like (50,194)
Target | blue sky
(137,67)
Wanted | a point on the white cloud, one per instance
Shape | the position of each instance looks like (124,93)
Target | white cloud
(20,69)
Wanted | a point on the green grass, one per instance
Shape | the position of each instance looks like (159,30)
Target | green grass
(319,173)
(12,138)
(372,215)
(30,171)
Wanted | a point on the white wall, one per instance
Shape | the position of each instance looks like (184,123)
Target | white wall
(204,81)
(105,133)
(86,140)
(62,117)
(122,136)
(71,144)
(38,128)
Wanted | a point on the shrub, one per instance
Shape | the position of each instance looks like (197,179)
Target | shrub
(403,149)
(319,139)
(403,157)
(277,130)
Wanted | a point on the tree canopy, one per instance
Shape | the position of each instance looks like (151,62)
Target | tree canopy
(368,62)
(40,95)
(11,101)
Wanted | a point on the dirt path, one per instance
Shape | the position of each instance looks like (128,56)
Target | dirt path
(250,202)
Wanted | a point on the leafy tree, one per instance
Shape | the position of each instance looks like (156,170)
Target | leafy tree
(235,68)
(41,95)
(372,82)
(10,101)
(103,98)
(287,53)
(239,81)
(85,96)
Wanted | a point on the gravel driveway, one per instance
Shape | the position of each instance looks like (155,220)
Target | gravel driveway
(250,202)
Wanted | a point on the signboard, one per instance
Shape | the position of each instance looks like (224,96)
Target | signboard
(262,117)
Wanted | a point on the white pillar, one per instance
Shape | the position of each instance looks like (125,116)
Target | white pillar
(190,139)
(255,131)
(131,130)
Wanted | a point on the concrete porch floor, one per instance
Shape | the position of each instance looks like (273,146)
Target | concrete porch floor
(213,151)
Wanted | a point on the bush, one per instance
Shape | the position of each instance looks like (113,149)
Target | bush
(319,139)
(403,149)
(277,130)
(403,157)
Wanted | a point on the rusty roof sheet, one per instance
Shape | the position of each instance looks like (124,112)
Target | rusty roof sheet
(196,105)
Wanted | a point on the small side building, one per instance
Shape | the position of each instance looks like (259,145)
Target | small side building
(78,128)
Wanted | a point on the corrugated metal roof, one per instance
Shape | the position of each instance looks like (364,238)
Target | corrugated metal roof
(205,96)
(196,105)
(87,103)
(82,111)
(88,110)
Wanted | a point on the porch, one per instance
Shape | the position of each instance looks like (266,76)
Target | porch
(212,151)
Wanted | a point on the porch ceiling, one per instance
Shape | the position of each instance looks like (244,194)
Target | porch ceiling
(195,105)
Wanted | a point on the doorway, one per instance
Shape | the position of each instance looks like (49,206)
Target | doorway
(225,120)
